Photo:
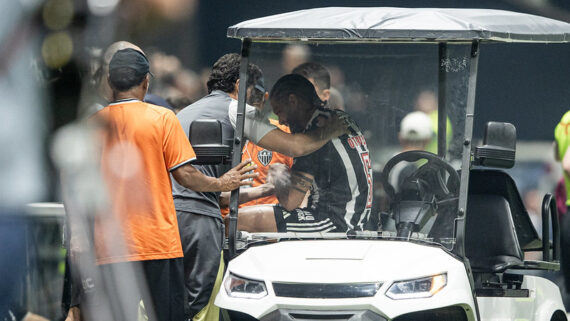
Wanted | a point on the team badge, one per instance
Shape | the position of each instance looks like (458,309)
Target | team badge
(264,156)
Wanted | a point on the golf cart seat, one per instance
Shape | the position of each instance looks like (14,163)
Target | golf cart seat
(490,238)
(497,226)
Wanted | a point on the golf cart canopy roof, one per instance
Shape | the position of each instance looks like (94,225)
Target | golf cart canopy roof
(403,24)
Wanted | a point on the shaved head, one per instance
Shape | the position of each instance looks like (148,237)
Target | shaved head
(116,46)
(104,88)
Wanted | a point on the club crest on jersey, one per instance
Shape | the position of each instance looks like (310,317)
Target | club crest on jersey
(264,156)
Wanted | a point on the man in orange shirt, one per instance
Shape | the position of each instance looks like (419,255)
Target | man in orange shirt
(141,145)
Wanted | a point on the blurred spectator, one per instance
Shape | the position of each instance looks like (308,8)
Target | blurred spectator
(189,84)
(171,79)
(178,103)
(319,76)
(562,154)
(560,194)
(426,102)
(335,100)
(416,132)
(532,201)
(97,97)
(294,55)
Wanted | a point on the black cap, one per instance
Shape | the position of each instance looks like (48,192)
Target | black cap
(132,59)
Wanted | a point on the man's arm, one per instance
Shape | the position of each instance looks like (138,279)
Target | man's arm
(247,194)
(191,178)
(296,145)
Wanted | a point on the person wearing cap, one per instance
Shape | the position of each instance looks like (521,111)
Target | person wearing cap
(141,144)
(416,132)
(199,213)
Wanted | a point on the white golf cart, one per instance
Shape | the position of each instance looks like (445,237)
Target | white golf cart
(447,243)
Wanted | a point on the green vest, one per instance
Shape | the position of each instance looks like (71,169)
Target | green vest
(562,137)
(432,145)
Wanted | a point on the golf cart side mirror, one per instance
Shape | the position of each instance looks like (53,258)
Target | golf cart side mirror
(499,145)
(206,139)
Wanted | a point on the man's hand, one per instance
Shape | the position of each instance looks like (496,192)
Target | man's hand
(73,314)
(238,176)
(334,126)
(193,179)
(266,189)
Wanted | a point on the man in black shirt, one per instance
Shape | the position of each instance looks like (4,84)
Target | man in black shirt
(339,175)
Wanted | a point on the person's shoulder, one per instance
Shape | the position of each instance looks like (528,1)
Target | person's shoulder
(284,128)
(159,110)
(216,99)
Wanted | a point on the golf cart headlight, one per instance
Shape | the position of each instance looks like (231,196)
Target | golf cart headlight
(418,288)
(239,287)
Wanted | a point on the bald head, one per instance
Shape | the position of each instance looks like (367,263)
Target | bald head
(104,88)
(116,46)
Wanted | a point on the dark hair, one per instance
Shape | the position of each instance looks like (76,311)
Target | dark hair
(298,85)
(253,75)
(225,73)
(316,71)
(125,78)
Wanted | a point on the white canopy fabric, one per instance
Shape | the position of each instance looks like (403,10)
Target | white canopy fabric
(403,24)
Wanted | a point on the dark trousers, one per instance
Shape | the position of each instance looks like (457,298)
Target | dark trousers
(202,239)
(159,283)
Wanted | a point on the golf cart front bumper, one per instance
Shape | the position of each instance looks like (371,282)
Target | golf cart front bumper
(297,315)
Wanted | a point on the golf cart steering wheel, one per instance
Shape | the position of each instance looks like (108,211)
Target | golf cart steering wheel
(434,164)
(422,192)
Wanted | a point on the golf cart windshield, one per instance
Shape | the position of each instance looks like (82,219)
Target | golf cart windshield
(391,92)
(407,77)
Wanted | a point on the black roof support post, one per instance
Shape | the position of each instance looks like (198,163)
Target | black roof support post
(441,101)
(238,145)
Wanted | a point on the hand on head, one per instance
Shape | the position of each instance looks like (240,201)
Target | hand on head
(334,126)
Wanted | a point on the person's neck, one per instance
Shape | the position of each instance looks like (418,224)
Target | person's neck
(129,94)
(233,95)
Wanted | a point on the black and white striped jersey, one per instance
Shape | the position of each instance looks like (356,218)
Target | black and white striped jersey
(342,170)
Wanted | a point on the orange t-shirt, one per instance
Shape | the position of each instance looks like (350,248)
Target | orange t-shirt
(263,158)
(141,144)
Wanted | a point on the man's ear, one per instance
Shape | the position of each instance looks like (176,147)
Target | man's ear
(146,82)
(293,100)
(236,87)
(326,94)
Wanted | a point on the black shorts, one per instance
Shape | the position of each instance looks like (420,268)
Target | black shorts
(301,220)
